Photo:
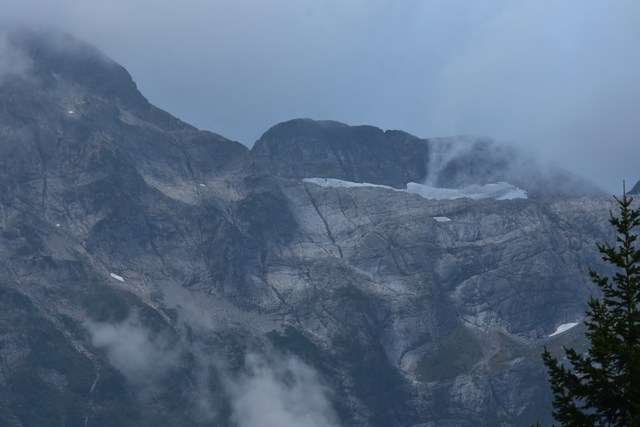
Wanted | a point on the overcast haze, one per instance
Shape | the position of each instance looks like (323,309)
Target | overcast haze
(558,77)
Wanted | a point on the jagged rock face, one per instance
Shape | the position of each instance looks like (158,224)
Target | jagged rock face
(180,274)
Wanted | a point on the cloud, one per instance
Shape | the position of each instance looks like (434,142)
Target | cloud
(13,62)
(283,393)
(271,389)
(555,76)
(132,349)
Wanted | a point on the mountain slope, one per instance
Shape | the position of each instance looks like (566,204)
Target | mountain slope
(190,281)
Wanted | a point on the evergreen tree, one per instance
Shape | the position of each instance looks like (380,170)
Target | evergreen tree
(602,386)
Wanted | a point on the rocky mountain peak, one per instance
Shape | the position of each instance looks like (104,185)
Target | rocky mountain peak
(53,55)
(304,148)
(635,189)
(56,73)
(70,116)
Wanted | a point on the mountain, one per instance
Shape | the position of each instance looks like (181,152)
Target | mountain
(635,189)
(155,274)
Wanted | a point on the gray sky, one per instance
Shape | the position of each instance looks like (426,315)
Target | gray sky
(558,77)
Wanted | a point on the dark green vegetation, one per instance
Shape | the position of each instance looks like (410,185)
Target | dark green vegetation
(602,387)
(449,356)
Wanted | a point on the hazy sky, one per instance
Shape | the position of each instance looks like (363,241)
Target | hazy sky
(559,77)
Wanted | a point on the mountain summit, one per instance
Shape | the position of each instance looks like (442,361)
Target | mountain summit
(155,274)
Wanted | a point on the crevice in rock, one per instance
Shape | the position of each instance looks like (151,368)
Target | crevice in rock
(326,225)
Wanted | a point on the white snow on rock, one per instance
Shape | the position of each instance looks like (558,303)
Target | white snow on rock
(562,328)
(442,218)
(115,276)
(497,191)
(339,183)
(71,111)
(202,185)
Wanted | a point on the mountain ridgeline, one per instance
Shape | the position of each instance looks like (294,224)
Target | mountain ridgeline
(155,274)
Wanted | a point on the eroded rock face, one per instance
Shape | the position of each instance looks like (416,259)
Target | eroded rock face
(460,307)
(175,270)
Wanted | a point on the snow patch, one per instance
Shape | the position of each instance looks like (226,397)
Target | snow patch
(339,183)
(70,111)
(442,218)
(57,225)
(115,276)
(497,191)
(202,185)
(562,328)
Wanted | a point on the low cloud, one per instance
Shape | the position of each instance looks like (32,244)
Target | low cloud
(131,348)
(556,77)
(13,62)
(286,393)
(271,390)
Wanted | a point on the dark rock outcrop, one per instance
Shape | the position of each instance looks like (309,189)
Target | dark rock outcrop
(304,148)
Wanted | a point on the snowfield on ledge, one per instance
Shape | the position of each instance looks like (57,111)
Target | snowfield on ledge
(562,328)
(497,191)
